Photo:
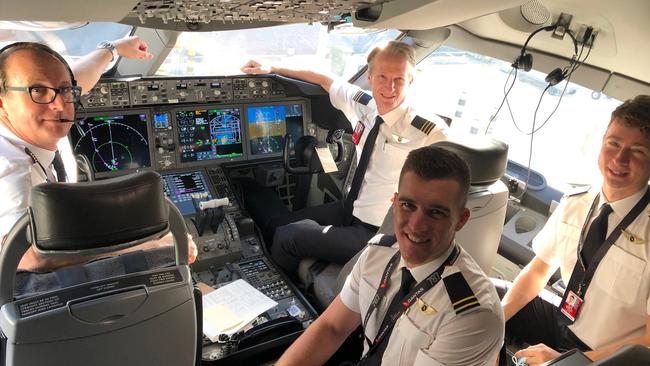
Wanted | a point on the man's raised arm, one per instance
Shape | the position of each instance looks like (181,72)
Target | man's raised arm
(255,68)
(89,68)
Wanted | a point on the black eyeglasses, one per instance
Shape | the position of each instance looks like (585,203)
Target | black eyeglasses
(46,95)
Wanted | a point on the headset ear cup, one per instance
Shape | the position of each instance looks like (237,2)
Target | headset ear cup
(524,62)
(555,77)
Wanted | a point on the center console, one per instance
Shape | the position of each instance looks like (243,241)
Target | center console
(193,131)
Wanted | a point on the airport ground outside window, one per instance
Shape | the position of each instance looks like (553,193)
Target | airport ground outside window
(469,88)
(293,45)
(70,43)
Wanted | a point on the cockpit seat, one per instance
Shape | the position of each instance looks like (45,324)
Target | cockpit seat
(137,316)
(487,202)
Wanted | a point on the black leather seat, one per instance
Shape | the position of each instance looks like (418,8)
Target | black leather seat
(139,316)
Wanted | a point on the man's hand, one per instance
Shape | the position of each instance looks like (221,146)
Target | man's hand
(537,354)
(132,47)
(168,240)
(192,250)
(253,67)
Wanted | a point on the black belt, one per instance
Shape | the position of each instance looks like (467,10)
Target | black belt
(369,227)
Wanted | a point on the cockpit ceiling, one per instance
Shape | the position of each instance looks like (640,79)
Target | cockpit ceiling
(241,11)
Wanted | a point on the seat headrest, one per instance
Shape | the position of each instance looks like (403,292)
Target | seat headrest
(487,158)
(90,215)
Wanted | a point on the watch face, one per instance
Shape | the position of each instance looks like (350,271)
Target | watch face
(109,46)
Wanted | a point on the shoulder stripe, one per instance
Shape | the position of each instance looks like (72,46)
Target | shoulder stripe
(383,240)
(423,125)
(577,191)
(362,97)
(460,294)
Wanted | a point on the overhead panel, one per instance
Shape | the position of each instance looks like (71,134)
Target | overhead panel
(243,11)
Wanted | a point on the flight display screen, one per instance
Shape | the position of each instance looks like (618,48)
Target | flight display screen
(113,142)
(179,187)
(208,134)
(267,125)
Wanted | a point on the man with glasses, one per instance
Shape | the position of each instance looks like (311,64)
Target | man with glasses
(38,92)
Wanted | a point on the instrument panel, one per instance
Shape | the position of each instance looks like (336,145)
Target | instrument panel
(172,123)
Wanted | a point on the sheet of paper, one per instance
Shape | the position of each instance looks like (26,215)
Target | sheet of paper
(326,160)
(229,308)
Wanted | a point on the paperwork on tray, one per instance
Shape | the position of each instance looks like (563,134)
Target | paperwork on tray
(229,308)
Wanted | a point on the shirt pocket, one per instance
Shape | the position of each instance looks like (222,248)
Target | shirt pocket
(566,247)
(367,292)
(620,274)
(392,158)
(411,338)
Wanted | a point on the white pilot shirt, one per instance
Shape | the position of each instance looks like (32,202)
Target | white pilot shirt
(396,138)
(429,332)
(17,176)
(617,302)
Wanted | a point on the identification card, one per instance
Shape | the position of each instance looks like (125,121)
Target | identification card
(572,305)
(358,132)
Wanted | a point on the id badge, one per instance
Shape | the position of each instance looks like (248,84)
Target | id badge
(572,305)
(358,132)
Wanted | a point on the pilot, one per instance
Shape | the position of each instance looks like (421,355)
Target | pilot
(37,108)
(444,310)
(600,242)
(337,231)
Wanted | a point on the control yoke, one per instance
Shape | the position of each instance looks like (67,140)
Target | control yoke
(307,161)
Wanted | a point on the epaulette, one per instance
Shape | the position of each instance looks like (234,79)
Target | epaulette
(575,191)
(362,97)
(423,125)
(461,295)
(383,240)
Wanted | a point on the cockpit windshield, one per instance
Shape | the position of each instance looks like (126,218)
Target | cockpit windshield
(292,45)
(70,43)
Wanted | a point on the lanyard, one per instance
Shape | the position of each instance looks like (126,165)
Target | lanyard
(582,274)
(407,301)
(36,161)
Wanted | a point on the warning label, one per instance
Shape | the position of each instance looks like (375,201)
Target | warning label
(58,299)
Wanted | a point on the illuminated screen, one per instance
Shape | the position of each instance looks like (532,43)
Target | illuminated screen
(268,124)
(113,143)
(208,134)
(180,186)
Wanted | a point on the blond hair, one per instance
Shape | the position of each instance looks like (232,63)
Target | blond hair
(394,48)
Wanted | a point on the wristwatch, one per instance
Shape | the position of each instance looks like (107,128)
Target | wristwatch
(108,46)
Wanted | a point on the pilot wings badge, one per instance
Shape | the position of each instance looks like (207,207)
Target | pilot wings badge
(425,308)
(633,238)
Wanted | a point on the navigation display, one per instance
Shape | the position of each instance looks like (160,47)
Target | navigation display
(179,187)
(208,134)
(113,142)
(267,125)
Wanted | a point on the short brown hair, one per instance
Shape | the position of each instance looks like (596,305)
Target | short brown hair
(7,51)
(395,48)
(634,113)
(433,162)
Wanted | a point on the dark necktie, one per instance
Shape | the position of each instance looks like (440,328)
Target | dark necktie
(407,282)
(57,164)
(363,164)
(596,235)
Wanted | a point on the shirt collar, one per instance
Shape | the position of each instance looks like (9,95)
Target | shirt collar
(625,205)
(396,114)
(44,156)
(421,272)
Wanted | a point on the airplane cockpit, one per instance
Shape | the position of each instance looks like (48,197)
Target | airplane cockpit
(234,151)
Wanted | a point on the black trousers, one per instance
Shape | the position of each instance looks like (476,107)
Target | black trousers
(538,322)
(326,232)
